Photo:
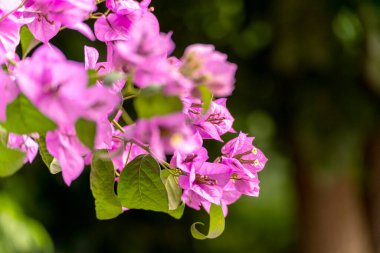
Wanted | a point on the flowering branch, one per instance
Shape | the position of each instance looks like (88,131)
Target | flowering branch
(70,111)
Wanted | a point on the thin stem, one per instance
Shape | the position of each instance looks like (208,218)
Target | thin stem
(147,149)
(12,62)
(130,97)
(117,125)
(163,163)
(118,137)
(129,152)
(130,83)
(166,166)
(125,116)
(96,15)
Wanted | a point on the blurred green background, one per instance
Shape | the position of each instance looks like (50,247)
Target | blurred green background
(308,88)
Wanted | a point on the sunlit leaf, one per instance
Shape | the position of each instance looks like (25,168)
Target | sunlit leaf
(172,188)
(10,160)
(20,233)
(102,181)
(47,158)
(152,102)
(177,213)
(112,77)
(92,77)
(207,97)
(216,224)
(3,136)
(28,42)
(24,118)
(86,132)
(55,167)
(140,185)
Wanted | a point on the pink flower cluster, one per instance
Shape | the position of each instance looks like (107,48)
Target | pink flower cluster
(139,54)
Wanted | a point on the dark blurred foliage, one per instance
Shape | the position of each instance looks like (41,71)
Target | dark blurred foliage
(308,88)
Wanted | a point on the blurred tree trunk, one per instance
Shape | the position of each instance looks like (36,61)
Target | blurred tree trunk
(325,105)
(332,215)
(369,13)
(374,188)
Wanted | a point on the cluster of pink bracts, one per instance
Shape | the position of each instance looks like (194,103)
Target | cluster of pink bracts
(140,54)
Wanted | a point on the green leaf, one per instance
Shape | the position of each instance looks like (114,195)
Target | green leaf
(24,118)
(92,77)
(28,42)
(3,136)
(207,97)
(102,181)
(44,153)
(86,132)
(216,224)
(172,188)
(112,77)
(5,68)
(19,232)
(140,185)
(11,160)
(49,160)
(177,213)
(55,167)
(152,102)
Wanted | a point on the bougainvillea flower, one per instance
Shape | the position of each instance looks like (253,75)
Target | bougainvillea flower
(145,52)
(9,92)
(44,29)
(7,6)
(132,9)
(11,20)
(229,196)
(143,43)
(165,134)
(240,154)
(25,144)
(44,79)
(206,66)
(175,82)
(117,25)
(103,138)
(50,15)
(245,184)
(112,27)
(185,160)
(214,123)
(204,184)
(68,150)
(101,101)
(9,39)
(91,56)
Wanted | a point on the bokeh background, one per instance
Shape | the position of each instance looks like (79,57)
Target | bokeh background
(308,88)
